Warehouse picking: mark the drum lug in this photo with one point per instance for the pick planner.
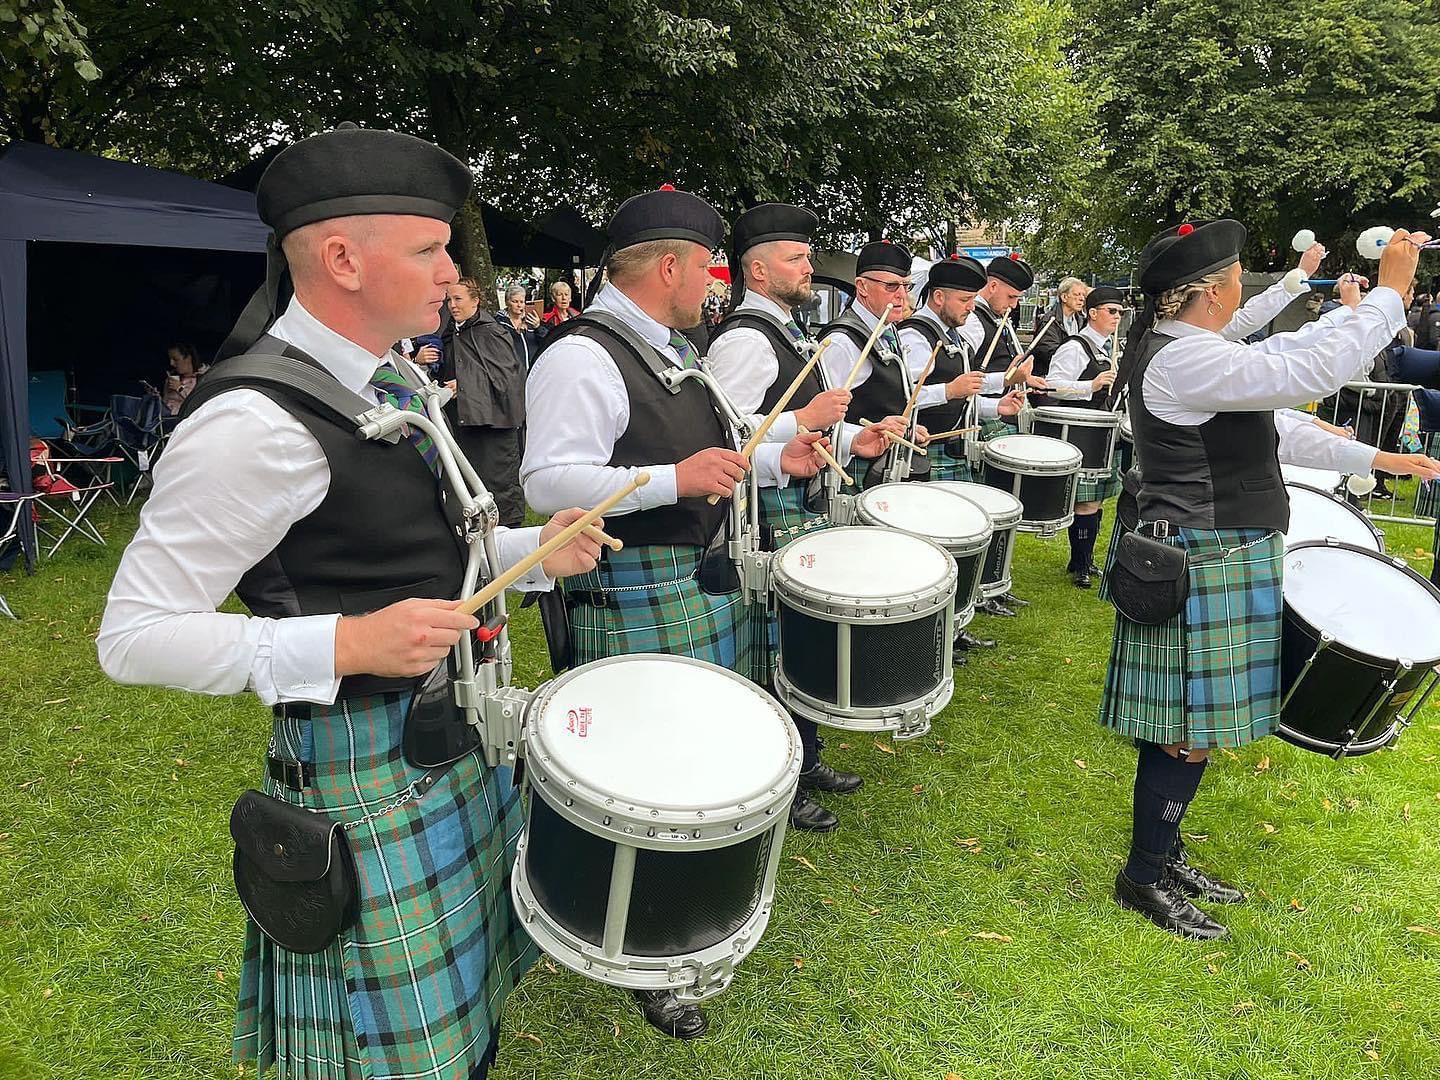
(499, 713)
(755, 577)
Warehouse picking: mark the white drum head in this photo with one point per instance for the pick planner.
(663, 731)
(1039, 450)
(1316, 516)
(996, 503)
(1070, 414)
(865, 563)
(1366, 602)
(1323, 479)
(1127, 430)
(926, 509)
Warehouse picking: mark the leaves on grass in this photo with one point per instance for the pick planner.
(1080, 763)
(953, 1076)
(917, 789)
(1352, 804)
(550, 967)
(1295, 905)
(804, 862)
(220, 976)
(1230, 754)
(1263, 765)
(1240, 1008)
(526, 1035)
(56, 701)
(990, 935)
(617, 1029)
(971, 844)
(1267, 826)
(1405, 812)
(48, 993)
(28, 784)
(882, 746)
(828, 901)
(798, 961)
(1426, 930)
(1300, 961)
(844, 746)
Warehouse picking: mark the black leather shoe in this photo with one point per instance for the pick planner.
(967, 640)
(1012, 600)
(959, 657)
(1195, 882)
(1095, 571)
(1081, 578)
(807, 815)
(994, 607)
(668, 1014)
(1168, 908)
(823, 778)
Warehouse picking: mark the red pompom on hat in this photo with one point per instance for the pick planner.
(667, 187)
(1185, 230)
(1015, 255)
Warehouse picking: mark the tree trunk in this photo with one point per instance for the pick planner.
(469, 246)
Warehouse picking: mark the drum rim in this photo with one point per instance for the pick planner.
(866, 717)
(836, 607)
(992, 454)
(999, 521)
(1072, 413)
(1340, 501)
(958, 545)
(1341, 646)
(649, 825)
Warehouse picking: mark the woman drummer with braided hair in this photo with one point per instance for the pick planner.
(1202, 408)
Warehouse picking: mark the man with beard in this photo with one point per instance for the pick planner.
(755, 354)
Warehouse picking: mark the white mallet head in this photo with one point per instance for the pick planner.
(1435, 213)
(1303, 241)
(1372, 241)
(1295, 281)
(1359, 484)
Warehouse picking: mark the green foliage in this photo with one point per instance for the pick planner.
(43, 56)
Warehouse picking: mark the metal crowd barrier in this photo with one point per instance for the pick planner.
(1375, 409)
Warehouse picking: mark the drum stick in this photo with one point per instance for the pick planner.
(1115, 348)
(474, 603)
(897, 438)
(774, 414)
(865, 352)
(935, 435)
(828, 457)
(999, 333)
(1030, 351)
(920, 383)
(600, 536)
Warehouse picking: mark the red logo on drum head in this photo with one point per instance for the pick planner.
(807, 561)
(577, 722)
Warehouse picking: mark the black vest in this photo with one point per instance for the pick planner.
(384, 532)
(1002, 357)
(949, 364)
(665, 427)
(1222, 474)
(885, 392)
(787, 356)
(1095, 364)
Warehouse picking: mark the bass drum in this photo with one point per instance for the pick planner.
(657, 794)
(1318, 515)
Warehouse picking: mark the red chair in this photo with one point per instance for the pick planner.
(64, 504)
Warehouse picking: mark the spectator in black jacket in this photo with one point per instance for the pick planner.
(1068, 311)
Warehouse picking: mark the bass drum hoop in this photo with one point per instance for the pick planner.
(1339, 501)
(658, 828)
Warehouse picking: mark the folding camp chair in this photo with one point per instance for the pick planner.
(12, 505)
(139, 435)
(62, 503)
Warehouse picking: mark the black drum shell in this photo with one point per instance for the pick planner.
(891, 662)
(1047, 498)
(1093, 441)
(998, 556)
(681, 901)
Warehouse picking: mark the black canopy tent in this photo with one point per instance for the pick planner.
(53, 302)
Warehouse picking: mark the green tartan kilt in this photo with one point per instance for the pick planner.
(1210, 676)
(654, 604)
(994, 427)
(415, 988)
(1427, 493)
(947, 466)
(782, 512)
(1098, 490)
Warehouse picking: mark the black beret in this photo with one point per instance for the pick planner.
(353, 170)
(1012, 270)
(666, 214)
(1102, 295)
(883, 255)
(956, 272)
(1188, 252)
(773, 221)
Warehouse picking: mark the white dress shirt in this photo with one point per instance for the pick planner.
(1304, 442)
(840, 357)
(234, 478)
(577, 409)
(1070, 359)
(1200, 373)
(743, 361)
(973, 331)
(917, 357)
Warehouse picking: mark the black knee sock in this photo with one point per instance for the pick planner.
(1075, 545)
(1082, 540)
(809, 742)
(1164, 787)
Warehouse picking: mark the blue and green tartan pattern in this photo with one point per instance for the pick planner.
(654, 604)
(947, 466)
(1210, 676)
(783, 510)
(406, 398)
(993, 427)
(415, 988)
(1099, 490)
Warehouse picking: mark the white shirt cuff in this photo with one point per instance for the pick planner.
(302, 661)
(931, 395)
(785, 428)
(512, 545)
(661, 490)
(766, 463)
(994, 383)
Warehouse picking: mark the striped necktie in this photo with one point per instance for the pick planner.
(891, 339)
(795, 332)
(689, 358)
(393, 389)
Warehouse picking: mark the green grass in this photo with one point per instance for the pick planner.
(120, 933)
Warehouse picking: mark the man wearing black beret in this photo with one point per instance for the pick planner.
(600, 413)
(882, 385)
(344, 552)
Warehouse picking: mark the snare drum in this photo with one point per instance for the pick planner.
(657, 796)
(1315, 515)
(955, 523)
(1360, 641)
(1005, 512)
(1319, 479)
(867, 622)
(1091, 431)
(1041, 472)
(1126, 449)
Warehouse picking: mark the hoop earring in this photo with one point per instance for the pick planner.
(1212, 308)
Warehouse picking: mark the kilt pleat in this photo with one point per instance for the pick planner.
(947, 466)
(783, 514)
(415, 988)
(654, 604)
(1098, 490)
(1210, 676)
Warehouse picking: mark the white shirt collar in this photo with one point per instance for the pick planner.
(1177, 329)
(925, 311)
(866, 317)
(753, 301)
(611, 299)
(352, 365)
(1094, 335)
